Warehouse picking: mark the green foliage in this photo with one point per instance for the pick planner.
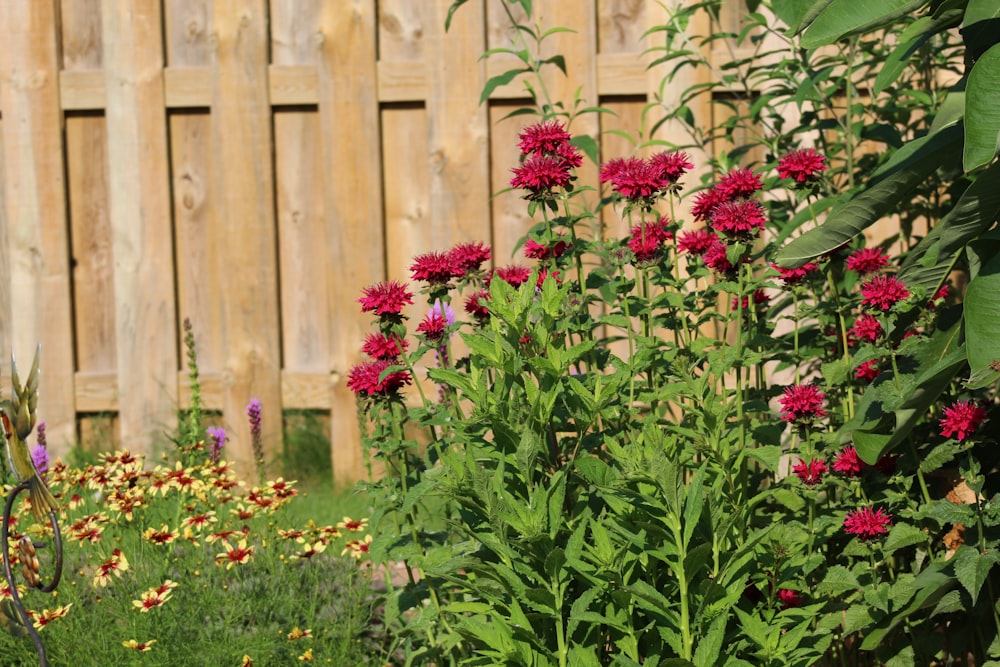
(624, 469)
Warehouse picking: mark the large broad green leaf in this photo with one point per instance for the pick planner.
(890, 184)
(798, 14)
(842, 18)
(980, 26)
(982, 111)
(982, 316)
(910, 40)
(935, 256)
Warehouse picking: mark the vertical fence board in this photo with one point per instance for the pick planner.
(509, 210)
(90, 233)
(243, 185)
(348, 111)
(146, 323)
(82, 38)
(458, 137)
(303, 246)
(294, 31)
(187, 25)
(199, 262)
(36, 206)
(6, 316)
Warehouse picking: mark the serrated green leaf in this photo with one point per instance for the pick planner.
(972, 568)
(838, 580)
(903, 535)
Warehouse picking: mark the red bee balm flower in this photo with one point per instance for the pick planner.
(646, 240)
(364, 380)
(866, 327)
(867, 260)
(671, 165)
(705, 202)
(961, 419)
(385, 298)
(697, 241)
(436, 268)
(542, 138)
(847, 462)
(739, 184)
(796, 275)
(789, 598)
(802, 403)
(635, 179)
(433, 326)
(380, 346)
(742, 219)
(541, 174)
(810, 473)
(883, 292)
(867, 523)
(867, 371)
(474, 305)
(469, 257)
(515, 276)
(803, 165)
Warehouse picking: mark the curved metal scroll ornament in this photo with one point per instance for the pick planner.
(18, 419)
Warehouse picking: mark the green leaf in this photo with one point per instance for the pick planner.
(903, 535)
(972, 568)
(933, 259)
(842, 18)
(451, 11)
(500, 80)
(693, 504)
(982, 111)
(798, 14)
(982, 316)
(586, 143)
(889, 185)
(838, 580)
(710, 645)
(894, 65)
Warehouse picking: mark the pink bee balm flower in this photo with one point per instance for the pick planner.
(535, 250)
(789, 598)
(883, 292)
(380, 346)
(469, 257)
(802, 403)
(697, 241)
(646, 240)
(541, 174)
(364, 380)
(436, 268)
(796, 275)
(385, 298)
(866, 327)
(433, 326)
(961, 419)
(867, 260)
(515, 276)
(474, 305)
(742, 219)
(867, 523)
(805, 166)
(705, 202)
(848, 463)
(739, 184)
(542, 138)
(637, 180)
(867, 371)
(671, 165)
(810, 473)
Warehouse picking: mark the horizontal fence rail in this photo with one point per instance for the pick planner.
(250, 166)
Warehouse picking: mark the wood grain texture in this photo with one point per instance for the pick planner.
(139, 187)
(348, 111)
(37, 244)
(294, 31)
(82, 38)
(243, 185)
(188, 30)
(90, 234)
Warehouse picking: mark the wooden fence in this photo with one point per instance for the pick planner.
(251, 165)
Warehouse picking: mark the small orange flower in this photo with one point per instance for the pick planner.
(358, 548)
(240, 553)
(46, 616)
(307, 656)
(114, 565)
(247, 661)
(162, 536)
(294, 534)
(142, 647)
(352, 525)
(309, 550)
(296, 633)
(154, 597)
